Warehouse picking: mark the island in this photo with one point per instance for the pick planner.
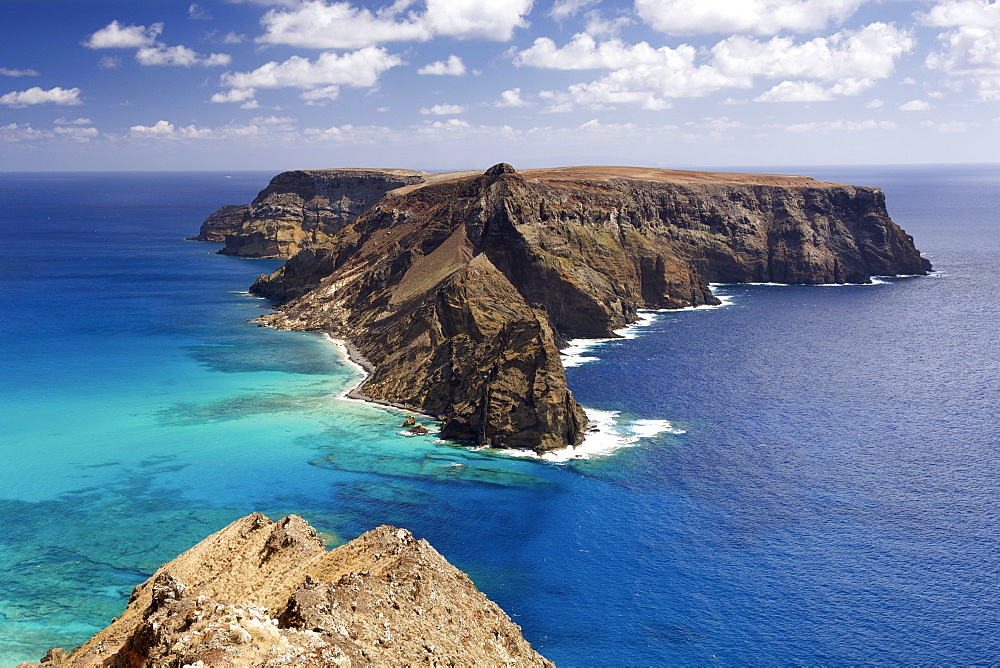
(456, 291)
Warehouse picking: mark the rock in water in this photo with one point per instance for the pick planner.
(459, 288)
(260, 593)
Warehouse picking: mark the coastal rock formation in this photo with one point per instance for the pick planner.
(456, 293)
(301, 209)
(260, 593)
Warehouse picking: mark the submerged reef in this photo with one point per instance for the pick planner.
(455, 291)
(263, 593)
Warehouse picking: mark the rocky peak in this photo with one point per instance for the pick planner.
(259, 593)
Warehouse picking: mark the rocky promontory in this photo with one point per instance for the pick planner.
(456, 290)
(260, 593)
(301, 209)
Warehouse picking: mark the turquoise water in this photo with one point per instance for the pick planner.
(833, 498)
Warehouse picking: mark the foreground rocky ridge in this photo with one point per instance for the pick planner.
(260, 593)
(457, 290)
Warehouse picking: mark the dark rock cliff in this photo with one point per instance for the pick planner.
(301, 209)
(458, 291)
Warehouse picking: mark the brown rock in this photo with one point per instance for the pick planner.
(268, 594)
(459, 289)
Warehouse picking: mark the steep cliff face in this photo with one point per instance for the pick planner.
(301, 209)
(458, 291)
(260, 593)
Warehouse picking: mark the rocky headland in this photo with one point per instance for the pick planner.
(263, 593)
(455, 291)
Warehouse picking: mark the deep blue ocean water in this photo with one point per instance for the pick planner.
(834, 498)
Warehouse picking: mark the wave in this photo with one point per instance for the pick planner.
(607, 433)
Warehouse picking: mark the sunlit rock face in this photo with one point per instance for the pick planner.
(456, 290)
(263, 593)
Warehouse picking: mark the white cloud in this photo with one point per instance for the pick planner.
(110, 62)
(165, 130)
(758, 17)
(75, 121)
(321, 95)
(868, 53)
(564, 9)
(233, 38)
(796, 91)
(443, 110)
(234, 95)
(453, 66)
(875, 104)
(963, 13)
(118, 36)
(18, 73)
(36, 95)
(160, 54)
(915, 105)
(360, 69)
(13, 132)
(848, 62)
(511, 98)
(340, 25)
(77, 134)
(196, 11)
(827, 127)
(598, 26)
(951, 127)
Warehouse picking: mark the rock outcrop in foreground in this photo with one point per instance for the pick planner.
(457, 290)
(260, 593)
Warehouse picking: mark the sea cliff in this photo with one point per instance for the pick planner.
(456, 290)
(263, 593)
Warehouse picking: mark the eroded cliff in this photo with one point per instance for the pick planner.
(301, 209)
(260, 593)
(457, 292)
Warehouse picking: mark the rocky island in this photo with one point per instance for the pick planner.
(455, 291)
(263, 593)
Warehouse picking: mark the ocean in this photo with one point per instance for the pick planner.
(810, 474)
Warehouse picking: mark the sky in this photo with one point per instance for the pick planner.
(464, 84)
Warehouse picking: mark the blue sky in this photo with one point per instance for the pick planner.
(450, 84)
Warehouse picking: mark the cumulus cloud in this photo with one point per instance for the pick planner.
(165, 130)
(118, 36)
(360, 69)
(796, 91)
(511, 98)
(238, 95)
(75, 121)
(14, 132)
(160, 54)
(844, 63)
(18, 73)
(915, 105)
(321, 95)
(36, 95)
(443, 110)
(453, 66)
(340, 25)
(966, 13)
(757, 17)
(196, 11)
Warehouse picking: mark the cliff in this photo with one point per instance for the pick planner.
(457, 291)
(300, 209)
(260, 593)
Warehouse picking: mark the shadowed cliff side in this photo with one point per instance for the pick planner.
(458, 291)
(260, 593)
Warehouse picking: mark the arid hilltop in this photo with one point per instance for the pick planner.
(456, 290)
(263, 593)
